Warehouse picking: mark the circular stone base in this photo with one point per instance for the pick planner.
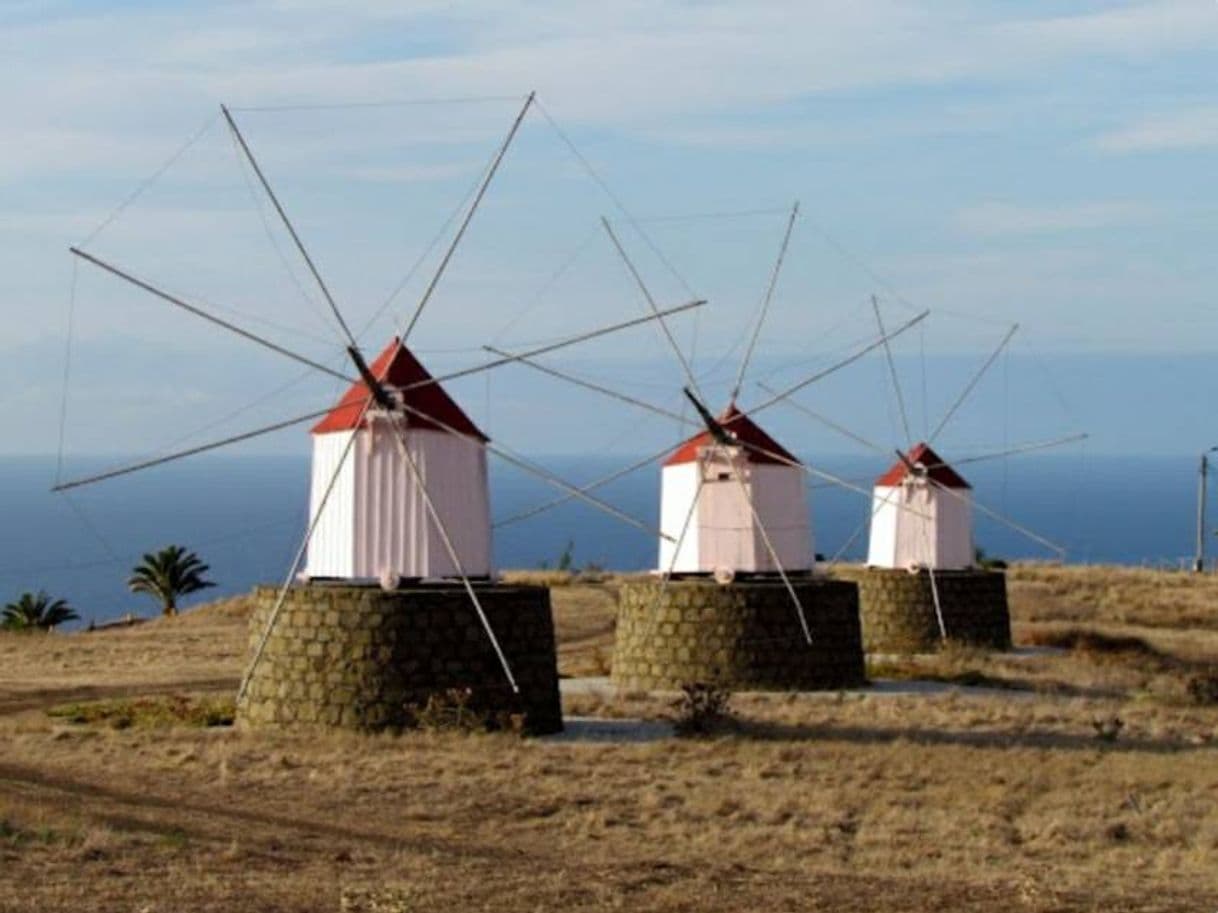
(357, 657)
(898, 608)
(744, 636)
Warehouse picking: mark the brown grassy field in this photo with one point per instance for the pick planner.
(1026, 795)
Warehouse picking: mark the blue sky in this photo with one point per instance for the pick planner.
(1045, 163)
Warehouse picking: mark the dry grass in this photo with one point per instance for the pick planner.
(1114, 595)
(963, 800)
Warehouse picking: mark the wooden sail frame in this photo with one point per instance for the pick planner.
(379, 397)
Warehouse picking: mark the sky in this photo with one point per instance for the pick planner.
(1041, 163)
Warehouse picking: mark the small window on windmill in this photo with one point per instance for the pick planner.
(725, 477)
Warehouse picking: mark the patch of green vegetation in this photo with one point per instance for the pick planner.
(150, 712)
(9, 832)
(16, 836)
(175, 839)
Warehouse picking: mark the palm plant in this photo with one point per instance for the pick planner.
(170, 573)
(36, 612)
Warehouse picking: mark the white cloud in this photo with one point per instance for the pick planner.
(1192, 129)
(1129, 31)
(1070, 298)
(96, 102)
(994, 218)
(631, 64)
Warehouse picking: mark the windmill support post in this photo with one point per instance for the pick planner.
(1202, 497)
(469, 215)
(651, 303)
(287, 223)
(211, 318)
(764, 309)
(972, 383)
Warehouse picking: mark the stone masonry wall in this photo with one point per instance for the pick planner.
(745, 635)
(898, 608)
(358, 657)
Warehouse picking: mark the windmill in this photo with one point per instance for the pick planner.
(921, 584)
(398, 496)
(733, 494)
(733, 508)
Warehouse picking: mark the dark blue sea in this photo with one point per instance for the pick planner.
(246, 515)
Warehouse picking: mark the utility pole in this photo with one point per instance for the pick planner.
(1199, 562)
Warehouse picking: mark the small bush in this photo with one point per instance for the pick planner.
(1202, 688)
(702, 709)
(1108, 729)
(453, 710)
(10, 832)
(988, 562)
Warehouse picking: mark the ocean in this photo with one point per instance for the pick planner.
(245, 516)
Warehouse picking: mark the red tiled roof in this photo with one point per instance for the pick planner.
(937, 470)
(398, 368)
(745, 430)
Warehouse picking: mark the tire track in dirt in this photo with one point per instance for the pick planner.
(188, 817)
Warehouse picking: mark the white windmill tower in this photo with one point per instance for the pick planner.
(732, 499)
(737, 494)
(922, 515)
(934, 531)
(375, 523)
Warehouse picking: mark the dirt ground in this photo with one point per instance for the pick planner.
(1078, 775)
